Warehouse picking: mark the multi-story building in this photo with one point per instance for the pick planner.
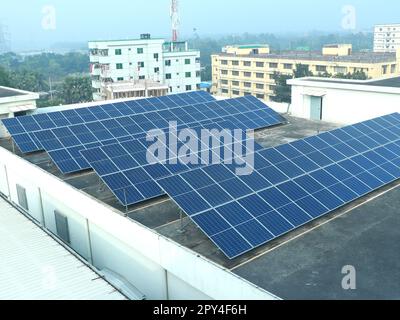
(387, 37)
(169, 63)
(243, 70)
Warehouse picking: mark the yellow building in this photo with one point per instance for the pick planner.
(243, 70)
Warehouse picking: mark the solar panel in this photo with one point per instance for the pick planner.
(22, 128)
(125, 169)
(281, 194)
(114, 131)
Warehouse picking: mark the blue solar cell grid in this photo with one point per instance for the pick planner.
(127, 162)
(21, 128)
(281, 194)
(82, 136)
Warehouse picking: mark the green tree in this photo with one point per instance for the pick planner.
(29, 81)
(76, 89)
(357, 75)
(282, 91)
(5, 78)
(302, 71)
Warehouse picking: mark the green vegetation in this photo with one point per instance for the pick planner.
(76, 89)
(282, 91)
(70, 82)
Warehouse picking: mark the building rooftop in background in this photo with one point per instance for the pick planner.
(8, 92)
(356, 57)
(15, 102)
(135, 89)
(238, 71)
(36, 267)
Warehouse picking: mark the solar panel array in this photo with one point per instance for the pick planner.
(64, 144)
(126, 170)
(22, 128)
(291, 185)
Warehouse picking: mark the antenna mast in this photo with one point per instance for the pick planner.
(175, 20)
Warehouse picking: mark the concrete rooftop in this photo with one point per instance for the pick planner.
(307, 262)
(6, 93)
(355, 57)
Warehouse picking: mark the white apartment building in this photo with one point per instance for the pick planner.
(387, 37)
(169, 63)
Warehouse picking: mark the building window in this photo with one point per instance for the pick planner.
(141, 64)
(224, 72)
(260, 86)
(188, 74)
(342, 70)
(156, 56)
(260, 64)
(247, 93)
(321, 68)
(168, 76)
(260, 96)
(235, 92)
(247, 74)
(288, 66)
(62, 227)
(247, 84)
(225, 91)
(156, 70)
(271, 87)
(198, 74)
(140, 50)
(119, 66)
(188, 88)
(118, 52)
(271, 76)
(384, 69)
(235, 63)
(235, 73)
(273, 65)
(260, 75)
(235, 83)
(247, 63)
(120, 79)
(168, 63)
(393, 68)
(187, 61)
(197, 60)
(22, 199)
(142, 77)
(224, 62)
(224, 82)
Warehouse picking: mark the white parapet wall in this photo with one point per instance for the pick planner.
(343, 102)
(158, 267)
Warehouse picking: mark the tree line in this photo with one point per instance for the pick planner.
(62, 79)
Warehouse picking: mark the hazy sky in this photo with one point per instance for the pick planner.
(31, 24)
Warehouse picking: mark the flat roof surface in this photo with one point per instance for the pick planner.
(5, 93)
(355, 57)
(34, 266)
(304, 264)
(390, 82)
